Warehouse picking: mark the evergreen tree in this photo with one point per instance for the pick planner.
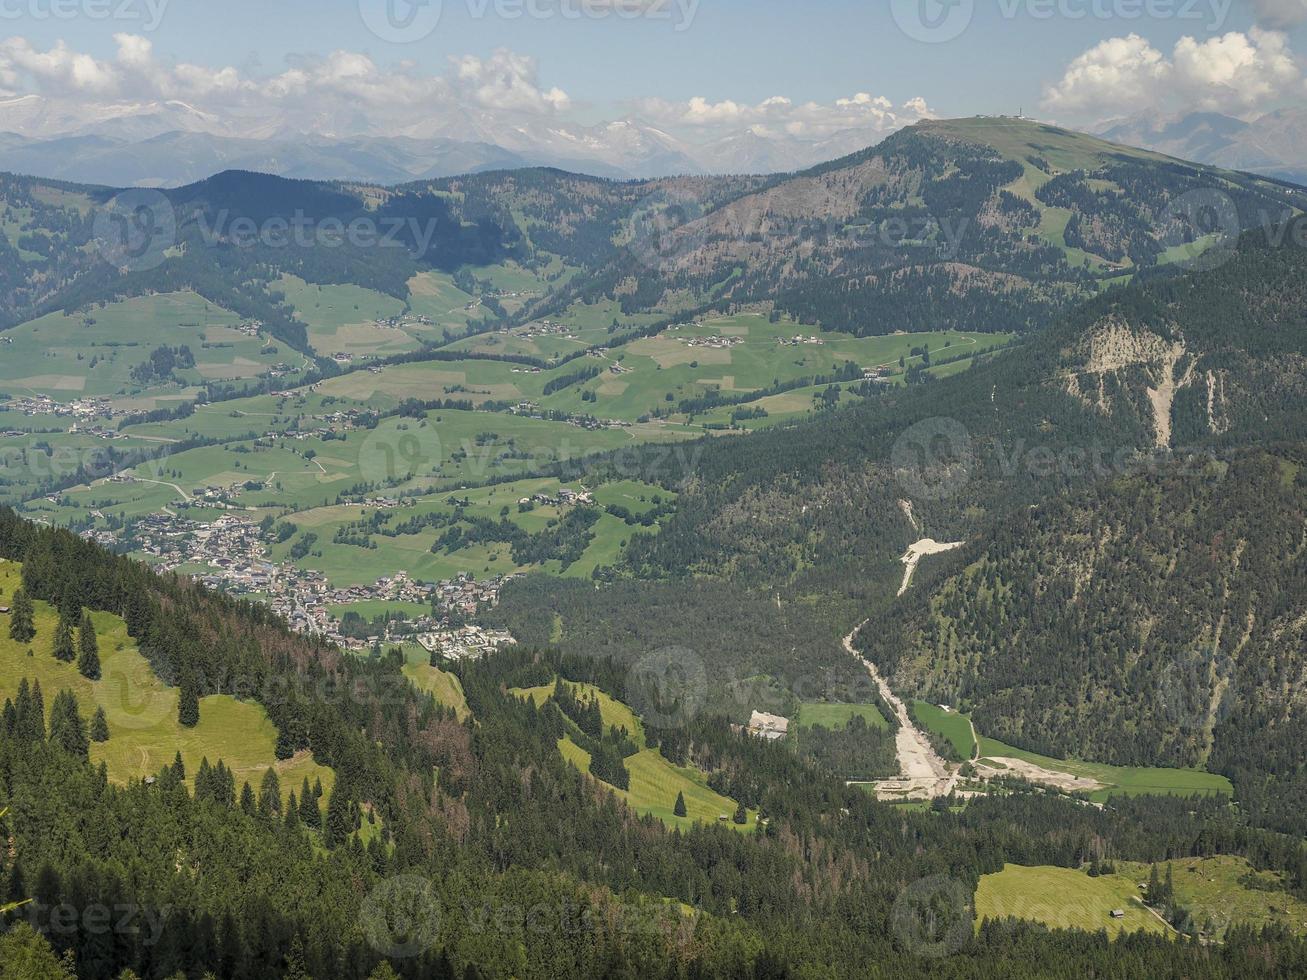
(310, 814)
(67, 729)
(29, 712)
(22, 626)
(99, 726)
(741, 815)
(248, 806)
(88, 655)
(179, 768)
(64, 649)
(188, 708)
(679, 808)
(285, 743)
(339, 824)
(292, 812)
(270, 795)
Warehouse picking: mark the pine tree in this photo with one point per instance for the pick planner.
(285, 743)
(292, 812)
(179, 768)
(270, 795)
(99, 726)
(188, 708)
(679, 808)
(741, 815)
(338, 825)
(29, 713)
(22, 627)
(67, 729)
(64, 648)
(88, 655)
(248, 806)
(310, 814)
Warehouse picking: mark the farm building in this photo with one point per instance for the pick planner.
(770, 727)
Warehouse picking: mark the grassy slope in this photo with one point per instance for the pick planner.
(1220, 891)
(1064, 898)
(654, 781)
(950, 724)
(144, 734)
(838, 715)
(1130, 780)
(443, 686)
(1217, 890)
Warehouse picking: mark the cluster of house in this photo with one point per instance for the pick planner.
(764, 725)
(86, 409)
(880, 374)
(544, 328)
(566, 497)
(465, 641)
(232, 550)
(715, 342)
(798, 339)
(405, 320)
(250, 328)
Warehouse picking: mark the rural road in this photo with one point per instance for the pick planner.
(918, 762)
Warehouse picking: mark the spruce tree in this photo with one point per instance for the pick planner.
(741, 815)
(310, 814)
(248, 806)
(88, 649)
(188, 708)
(679, 808)
(67, 730)
(270, 795)
(99, 726)
(64, 648)
(339, 825)
(22, 626)
(179, 768)
(292, 812)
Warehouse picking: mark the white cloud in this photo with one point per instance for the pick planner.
(341, 86)
(1280, 13)
(1235, 73)
(779, 114)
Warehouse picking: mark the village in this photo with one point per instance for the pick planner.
(230, 555)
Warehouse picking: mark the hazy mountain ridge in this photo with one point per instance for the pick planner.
(1274, 144)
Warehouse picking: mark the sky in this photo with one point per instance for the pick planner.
(801, 67)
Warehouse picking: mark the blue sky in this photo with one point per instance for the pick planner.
(745, 51)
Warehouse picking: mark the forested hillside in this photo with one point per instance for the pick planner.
(1144, 402)
(489, 832)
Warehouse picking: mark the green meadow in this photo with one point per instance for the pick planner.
(1127, 780)
(91, 352)
(834, 716)
(440, 684)
(1065, 898)
(144, 734)
(950, 724)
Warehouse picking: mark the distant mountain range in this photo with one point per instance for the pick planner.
(1274, 145)
(171, 143)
